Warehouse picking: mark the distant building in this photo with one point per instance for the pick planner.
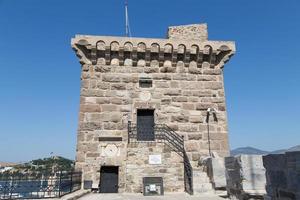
(5, 169)
(6, 166)
(144, 106)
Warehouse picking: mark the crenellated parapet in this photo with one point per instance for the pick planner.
(124, 51)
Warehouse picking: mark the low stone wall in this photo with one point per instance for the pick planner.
(283, 175)
(245, 176)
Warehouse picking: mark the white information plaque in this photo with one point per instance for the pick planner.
(154, 159)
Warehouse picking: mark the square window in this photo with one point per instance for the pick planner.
(145, 83)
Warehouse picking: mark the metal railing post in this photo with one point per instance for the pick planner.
(59, 183)
(71, 185)
(129, 131)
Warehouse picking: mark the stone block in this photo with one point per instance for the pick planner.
(118, 86)
(109, 107)
(111, 78)
(90, 108)
(212, 71)
(161, 84)
(196, 119)
(203, 106)
(179, 118)
(206, 78)
(99, 100)
(158, 76)
(191, 146)
(194, 136)
(186, 77)
(171, 109)
(212, 85)
(192, 32)
(193, 69)
(188, 128)
(116, 100)
(172, 92)
(216, 171)
(130, 78)
(115, 117)
(188, 106)
(179, 99)
(245, 174)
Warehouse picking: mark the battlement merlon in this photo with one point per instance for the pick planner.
(191, 51)
(188, 32)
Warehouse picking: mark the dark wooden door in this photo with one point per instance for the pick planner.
(145, 125)
(109, 179)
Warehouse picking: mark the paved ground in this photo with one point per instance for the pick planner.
(176, 196)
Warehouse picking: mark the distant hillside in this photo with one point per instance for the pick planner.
(247, 150)
(295, 148)
(45, 165)
(254, 151)
(7, 164)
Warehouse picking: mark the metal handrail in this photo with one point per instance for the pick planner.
(164, 133)
(40, 185)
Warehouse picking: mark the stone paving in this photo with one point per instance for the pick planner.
(173, 196)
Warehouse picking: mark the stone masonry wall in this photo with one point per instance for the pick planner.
(190, 32)
(185, 84)
(137, 167)
(180, 100)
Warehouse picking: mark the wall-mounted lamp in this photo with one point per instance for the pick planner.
(213, 112)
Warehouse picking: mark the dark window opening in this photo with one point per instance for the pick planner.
(145, 125)
(145, 83)
(168, 56)
(127, 55)
(140, 56)
(154, 56)
(193, 57)
(114, 54)
(180, 57)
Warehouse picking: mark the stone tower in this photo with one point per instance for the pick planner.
(144, 108)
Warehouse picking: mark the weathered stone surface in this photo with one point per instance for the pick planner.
(191, 146)
(246, 175)
(188, 106)
(216, 171)
(203, 106)
(90, 108)
(118, 86)
(192, 32)
(194, 136)
(109, 107)
(212, 85)
(180, 118)
(110, 78)
(282, 174)
(183, 86)
(172, 92)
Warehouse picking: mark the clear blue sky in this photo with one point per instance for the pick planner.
(40, 75)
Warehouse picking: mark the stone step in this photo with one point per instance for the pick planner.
(221, 193)
(203, 188)
(201, 182)
(202, 176)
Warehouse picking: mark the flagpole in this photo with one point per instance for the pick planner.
(126, 18)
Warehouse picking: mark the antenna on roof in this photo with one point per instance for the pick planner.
(127, 28)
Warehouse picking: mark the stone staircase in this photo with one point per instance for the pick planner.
(196, 180)
(201, 182)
